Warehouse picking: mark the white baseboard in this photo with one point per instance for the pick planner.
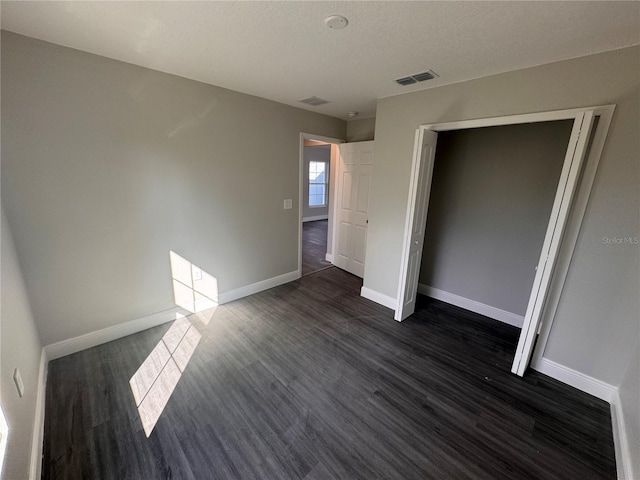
(329, 257)
(378, 298)
(73, 345)
(35, 462)
(472, 305)
(77, 344)
(576, 379)
(247, 290)
(314, 218)
(620, 440)
(605, 392)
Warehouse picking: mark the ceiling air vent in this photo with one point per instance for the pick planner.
(416, 77)
(314, 101)
(406, 81)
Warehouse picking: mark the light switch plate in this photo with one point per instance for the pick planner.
(18, 380)
(288, 204)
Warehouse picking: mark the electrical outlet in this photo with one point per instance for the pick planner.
(18, 380)
(288, 204)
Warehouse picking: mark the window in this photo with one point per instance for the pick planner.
(318, 184)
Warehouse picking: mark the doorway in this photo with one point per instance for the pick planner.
(576, 179)
(318, 159)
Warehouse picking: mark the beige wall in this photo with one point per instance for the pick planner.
(20, 348)
(361, 130)
(491, 198)
(108, 166)
(597, 319)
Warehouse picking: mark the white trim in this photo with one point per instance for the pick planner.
(605, 392)
(416, 165)
(332, 239)
(320, 138)
(377, 297)
(310, 136)
(576, 379)
(515, 119)
(73, 345)
(572, 231)
(35, 463)
(247, 290)
(472, 305)
(558, 276)
(316, 217)
(88, 340)
(77, 344)
(560, 212)
(329, 257)
(620, 439)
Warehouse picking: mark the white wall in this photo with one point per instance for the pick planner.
(315, 153)
(21, 348)
(595, 328)
(108, 166)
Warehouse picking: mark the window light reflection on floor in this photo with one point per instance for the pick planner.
(154, 382)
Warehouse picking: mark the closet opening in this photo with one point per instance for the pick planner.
(497, 216)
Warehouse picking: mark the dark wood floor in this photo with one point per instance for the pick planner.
(314, 246)
(311, 381)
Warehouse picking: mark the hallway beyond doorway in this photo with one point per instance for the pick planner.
(314, 246)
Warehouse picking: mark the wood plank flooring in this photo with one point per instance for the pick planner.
(311, 381)
(314, 246)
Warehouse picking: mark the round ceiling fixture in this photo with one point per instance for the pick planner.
(352, 114)
(336, 22)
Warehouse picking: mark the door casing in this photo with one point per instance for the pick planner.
(331, 238)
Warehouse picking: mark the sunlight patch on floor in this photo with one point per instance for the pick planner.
(157, 377)
(153, 384)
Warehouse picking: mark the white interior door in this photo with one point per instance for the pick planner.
(354, 184)
(419, 191)
(559, 215)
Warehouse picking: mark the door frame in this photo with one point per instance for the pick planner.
(330, 241)
(564, 249)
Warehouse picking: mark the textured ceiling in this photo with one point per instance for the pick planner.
(284, 52)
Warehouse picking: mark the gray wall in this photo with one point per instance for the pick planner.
(108, 166)
(361, 130)
(315, 153)
(491, 197)
(20, 348)
(596, 323)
